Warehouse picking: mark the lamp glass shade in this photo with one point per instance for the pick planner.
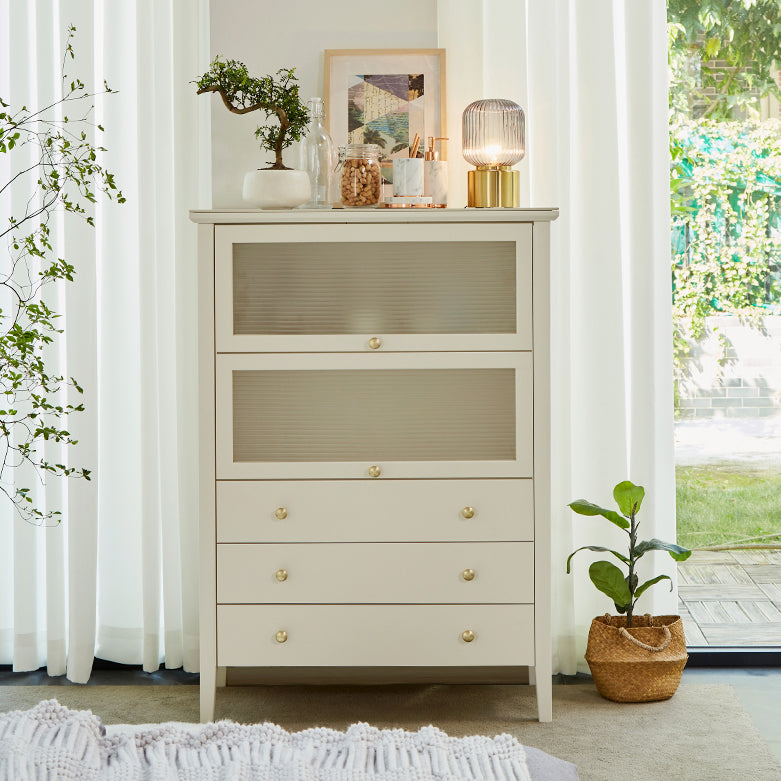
(493, 133)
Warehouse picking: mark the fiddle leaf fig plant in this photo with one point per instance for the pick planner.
(276, 96)
(623, 589)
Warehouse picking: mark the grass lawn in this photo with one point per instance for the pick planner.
(724, 503)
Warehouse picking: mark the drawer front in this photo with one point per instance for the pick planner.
(458, 572)
(374, 635)
(408, 416)
(375, 510)
(336, 287)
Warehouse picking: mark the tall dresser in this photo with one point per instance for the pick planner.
(374, 441)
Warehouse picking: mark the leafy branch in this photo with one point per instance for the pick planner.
(53, 167)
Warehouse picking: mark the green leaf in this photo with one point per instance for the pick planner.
(648, 583)
(676, 551)
(599, 549)
(610, 581)
(584, 507)
(628, 497)
(712, 48)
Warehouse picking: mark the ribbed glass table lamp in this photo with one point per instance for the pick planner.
(493, 139)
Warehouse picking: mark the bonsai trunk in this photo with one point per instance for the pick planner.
(278, 164)
(284, 124)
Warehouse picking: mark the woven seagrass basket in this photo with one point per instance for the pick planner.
(640, 664)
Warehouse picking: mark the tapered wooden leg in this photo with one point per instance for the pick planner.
(221, 676)
(208, 693)
(543, 677)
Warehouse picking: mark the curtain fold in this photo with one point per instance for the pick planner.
(592, 78)
(118, 578)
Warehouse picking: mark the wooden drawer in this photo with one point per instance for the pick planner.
(414, 415)
(333, 288)
(376, 573)
(374, 635)
(375, 510)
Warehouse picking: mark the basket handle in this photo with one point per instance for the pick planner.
(665, 642)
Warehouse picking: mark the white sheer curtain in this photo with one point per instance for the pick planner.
(593, 79)
(118, 578)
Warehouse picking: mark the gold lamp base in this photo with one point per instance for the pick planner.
(494, 187)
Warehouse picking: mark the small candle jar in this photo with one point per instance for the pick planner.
(361, 179)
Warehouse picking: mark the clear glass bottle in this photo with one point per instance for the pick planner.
(361, 176)
(318, 157)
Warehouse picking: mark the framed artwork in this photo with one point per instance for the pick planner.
(385, 97)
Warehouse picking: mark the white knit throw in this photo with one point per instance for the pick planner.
(52, 742)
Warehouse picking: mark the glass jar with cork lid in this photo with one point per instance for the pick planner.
(361, 176)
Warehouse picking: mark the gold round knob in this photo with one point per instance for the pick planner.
(281, 636)
(468, 512)
(281, 575)
(468, 574)
(467, 636)
(281, 513)
(375, 343)
(374, 471)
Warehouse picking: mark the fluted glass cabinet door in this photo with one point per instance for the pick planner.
(366, 288)
(374, 417)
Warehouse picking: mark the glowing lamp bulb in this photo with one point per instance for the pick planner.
(494, 141)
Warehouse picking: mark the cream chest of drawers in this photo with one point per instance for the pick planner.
(374, 441)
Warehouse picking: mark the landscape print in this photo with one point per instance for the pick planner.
(387, 110)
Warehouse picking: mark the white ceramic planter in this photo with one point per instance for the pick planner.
(276, 189)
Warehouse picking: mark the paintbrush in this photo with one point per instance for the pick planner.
(415, 144)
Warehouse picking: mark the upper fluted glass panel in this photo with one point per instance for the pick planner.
(493, 132)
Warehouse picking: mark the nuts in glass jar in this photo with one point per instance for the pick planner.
(361, 180)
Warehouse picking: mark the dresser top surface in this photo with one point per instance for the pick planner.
(381, 216)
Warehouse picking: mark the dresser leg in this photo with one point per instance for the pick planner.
(544, 684)
(208, 692)
(222, 674)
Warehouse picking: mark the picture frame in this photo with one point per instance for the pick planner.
(385, 96)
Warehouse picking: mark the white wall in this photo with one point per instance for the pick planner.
(267, 36)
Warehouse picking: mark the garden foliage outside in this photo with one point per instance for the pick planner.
(725, 181)
(726, 165)
(726, 231)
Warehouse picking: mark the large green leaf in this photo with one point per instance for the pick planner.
(628, 497)
(584, 507)
(649, 583)
(676, 551)
(599, 549)
(610, 581)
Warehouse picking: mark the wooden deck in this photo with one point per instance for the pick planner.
(731, 598)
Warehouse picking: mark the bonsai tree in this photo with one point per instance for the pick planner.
(52, 166)
(607, 577)
(276, 96)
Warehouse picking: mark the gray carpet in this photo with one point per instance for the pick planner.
(702, 733)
